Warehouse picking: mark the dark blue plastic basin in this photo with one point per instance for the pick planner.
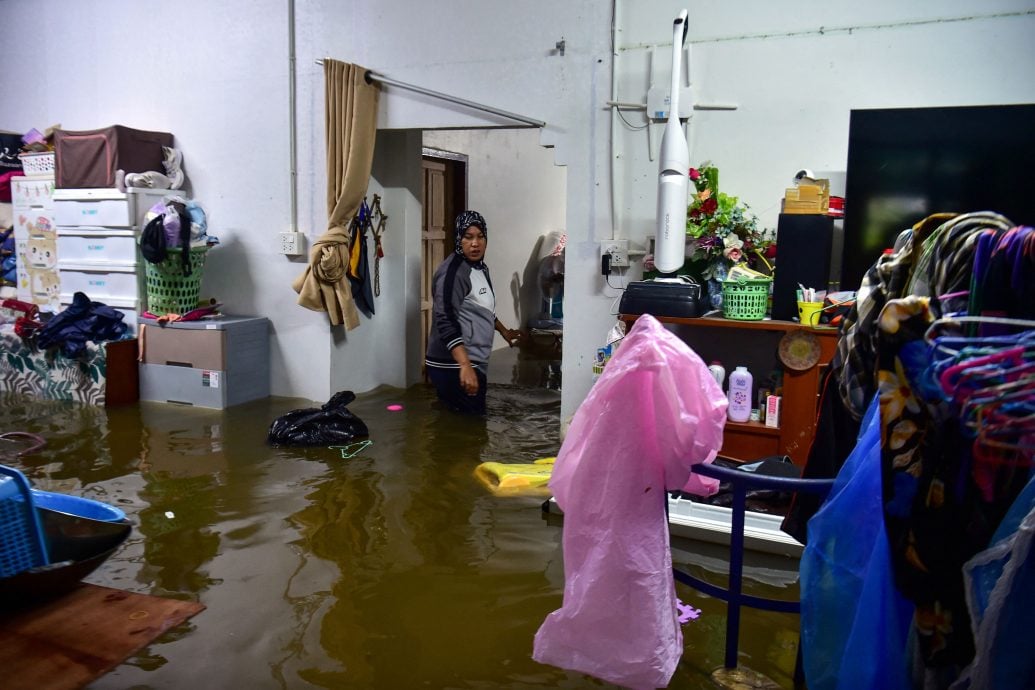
(76, 505)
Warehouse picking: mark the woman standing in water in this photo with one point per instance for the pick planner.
(463, 320)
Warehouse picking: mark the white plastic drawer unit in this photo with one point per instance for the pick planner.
(100, 283)
(97, 245)
(105, 207)
(109, 212)
(32, 192)
(33, 222)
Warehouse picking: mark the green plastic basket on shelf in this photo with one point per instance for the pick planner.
(745, 299)
(169, 289)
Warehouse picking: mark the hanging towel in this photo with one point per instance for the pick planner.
(655, 411)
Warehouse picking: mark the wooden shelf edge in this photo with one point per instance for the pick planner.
(752, 428)
(716, 322)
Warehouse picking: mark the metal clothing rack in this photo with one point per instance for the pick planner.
(372, 76)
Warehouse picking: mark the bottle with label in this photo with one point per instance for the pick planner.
(739, 395)
(718, 372)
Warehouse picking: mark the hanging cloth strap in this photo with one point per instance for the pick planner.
(379, 220)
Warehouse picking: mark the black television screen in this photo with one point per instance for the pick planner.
(907, 163)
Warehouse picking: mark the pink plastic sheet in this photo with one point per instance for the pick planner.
(655, 412)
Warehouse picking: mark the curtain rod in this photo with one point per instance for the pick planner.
(371, 76)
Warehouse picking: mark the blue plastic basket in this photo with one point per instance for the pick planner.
(22, 545)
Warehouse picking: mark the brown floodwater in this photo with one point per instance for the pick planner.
(392, 568)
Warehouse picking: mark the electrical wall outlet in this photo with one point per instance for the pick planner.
(619, 251)
(290, 243)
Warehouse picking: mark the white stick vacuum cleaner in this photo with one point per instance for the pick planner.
(673, 173)
(669, 295)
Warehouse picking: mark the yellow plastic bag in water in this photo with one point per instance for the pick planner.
(515, 479)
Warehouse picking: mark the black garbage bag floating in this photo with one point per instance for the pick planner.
(318, 426)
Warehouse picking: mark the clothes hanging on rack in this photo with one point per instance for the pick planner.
(932, 258)
(944, 267)
(1003, 279)
(957, 422)
(936, 514)
(911, 268)
(944, 494)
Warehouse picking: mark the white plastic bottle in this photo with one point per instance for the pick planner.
(739, 395)
(718, 372)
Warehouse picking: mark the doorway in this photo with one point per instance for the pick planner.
(444, 185)
(514, 181)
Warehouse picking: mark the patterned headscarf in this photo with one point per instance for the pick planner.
(466, 220)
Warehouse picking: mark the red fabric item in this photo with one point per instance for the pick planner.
(5, 185)
(26, 328)
(27, 308)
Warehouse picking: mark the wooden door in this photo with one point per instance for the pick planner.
(445, 196)
(433, 235)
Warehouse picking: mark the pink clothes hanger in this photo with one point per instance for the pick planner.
(950, 377)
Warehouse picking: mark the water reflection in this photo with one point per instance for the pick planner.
(393, 568)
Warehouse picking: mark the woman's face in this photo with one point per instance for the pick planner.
(472, 243)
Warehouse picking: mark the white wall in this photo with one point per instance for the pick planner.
(513, 182)
(795, 71)
(216, 75)
(501, 54)
(376, 352)
(795, 76)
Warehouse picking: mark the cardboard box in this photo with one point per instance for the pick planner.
(809, 196)
(772, 411)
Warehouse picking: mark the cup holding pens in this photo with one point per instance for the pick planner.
(809, 312)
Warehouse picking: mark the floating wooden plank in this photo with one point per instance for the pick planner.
(67, 642)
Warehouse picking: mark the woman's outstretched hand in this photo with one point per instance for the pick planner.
(512, 336)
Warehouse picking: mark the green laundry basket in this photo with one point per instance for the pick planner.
(169, 290)
(745, 300)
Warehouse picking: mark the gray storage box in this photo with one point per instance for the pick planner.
(214, 363)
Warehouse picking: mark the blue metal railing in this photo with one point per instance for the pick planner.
(733, 595)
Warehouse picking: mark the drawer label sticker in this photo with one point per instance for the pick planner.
(89, 212)
(210, 379)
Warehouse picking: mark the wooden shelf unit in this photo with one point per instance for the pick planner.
(753, 440)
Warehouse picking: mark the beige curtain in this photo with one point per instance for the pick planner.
(351, 123)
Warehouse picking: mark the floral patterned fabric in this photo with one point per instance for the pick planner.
(50, 375)
(936, 513)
